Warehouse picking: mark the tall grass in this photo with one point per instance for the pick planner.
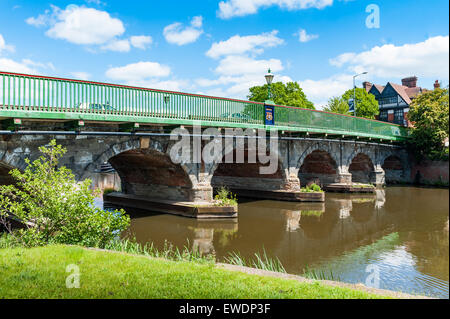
(259, 262)
(320, 274)
(168, 251)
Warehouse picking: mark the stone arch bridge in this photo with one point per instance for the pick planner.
(145, 168)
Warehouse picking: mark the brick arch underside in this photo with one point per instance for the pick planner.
(318, 167)
(152, 173)
(362, 169)
(394, 169)
(247, 176)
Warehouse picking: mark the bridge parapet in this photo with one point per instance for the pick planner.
(50, 98)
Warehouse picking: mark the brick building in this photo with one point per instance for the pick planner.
(394, 99)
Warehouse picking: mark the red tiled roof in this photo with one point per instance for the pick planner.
(401, 90)
(380, 88)
(413, 92)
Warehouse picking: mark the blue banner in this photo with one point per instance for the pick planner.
(270, 115)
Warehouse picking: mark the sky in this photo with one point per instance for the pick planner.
(222, 48)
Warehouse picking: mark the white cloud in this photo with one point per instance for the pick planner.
(148, 75)
(91, 27)
(5, 47)
(305, 37)
(140, 71)
(141, 41)
(176, 34)
(79, 25)
(26, 66)
(239, 45)
(233, 8)
(9, 65)
(236, 74)
(239, 65)
(320, 91)
(81, 75)
(117, 46)
(424, 59)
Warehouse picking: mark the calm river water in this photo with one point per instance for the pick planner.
(402, 231)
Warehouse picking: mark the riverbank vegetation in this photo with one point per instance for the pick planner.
(43, 272)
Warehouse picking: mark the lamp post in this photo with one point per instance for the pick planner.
(354, 91)
(269, 78)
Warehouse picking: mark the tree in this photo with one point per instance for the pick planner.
(290, 94)
(366, 104)
(337, 105)
(54, 208)
(429, 114)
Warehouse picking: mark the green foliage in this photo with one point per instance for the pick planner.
(429, 114)
(366, 104)
(290, 94)
(313, 188)
(54, 208)
(337, 105)
(225, 198)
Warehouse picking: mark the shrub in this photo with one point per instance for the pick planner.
(225, 198)
(313, 188)
(54, 208)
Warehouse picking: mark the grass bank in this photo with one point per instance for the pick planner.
(41, 273)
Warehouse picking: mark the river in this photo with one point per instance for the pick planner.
(397, 239)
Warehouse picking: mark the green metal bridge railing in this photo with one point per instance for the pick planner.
(39, 97)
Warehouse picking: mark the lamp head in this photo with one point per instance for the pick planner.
(269, 77)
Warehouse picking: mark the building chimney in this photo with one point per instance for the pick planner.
(437, 85)
(367, 86)
(410, 82)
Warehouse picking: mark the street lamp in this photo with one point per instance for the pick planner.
(269, 78)
(354, 91)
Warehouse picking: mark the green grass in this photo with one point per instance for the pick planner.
(41, 273)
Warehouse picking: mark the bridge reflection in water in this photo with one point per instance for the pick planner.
(402, 230)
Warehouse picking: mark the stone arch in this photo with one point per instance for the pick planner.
(318, 167)
(317, 146)
(362, 168)
(145, 169)
(247, 175)
(148, 172)
(361, 149)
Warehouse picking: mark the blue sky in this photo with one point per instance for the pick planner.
(224, 47)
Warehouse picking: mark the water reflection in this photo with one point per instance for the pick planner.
(403, 230)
